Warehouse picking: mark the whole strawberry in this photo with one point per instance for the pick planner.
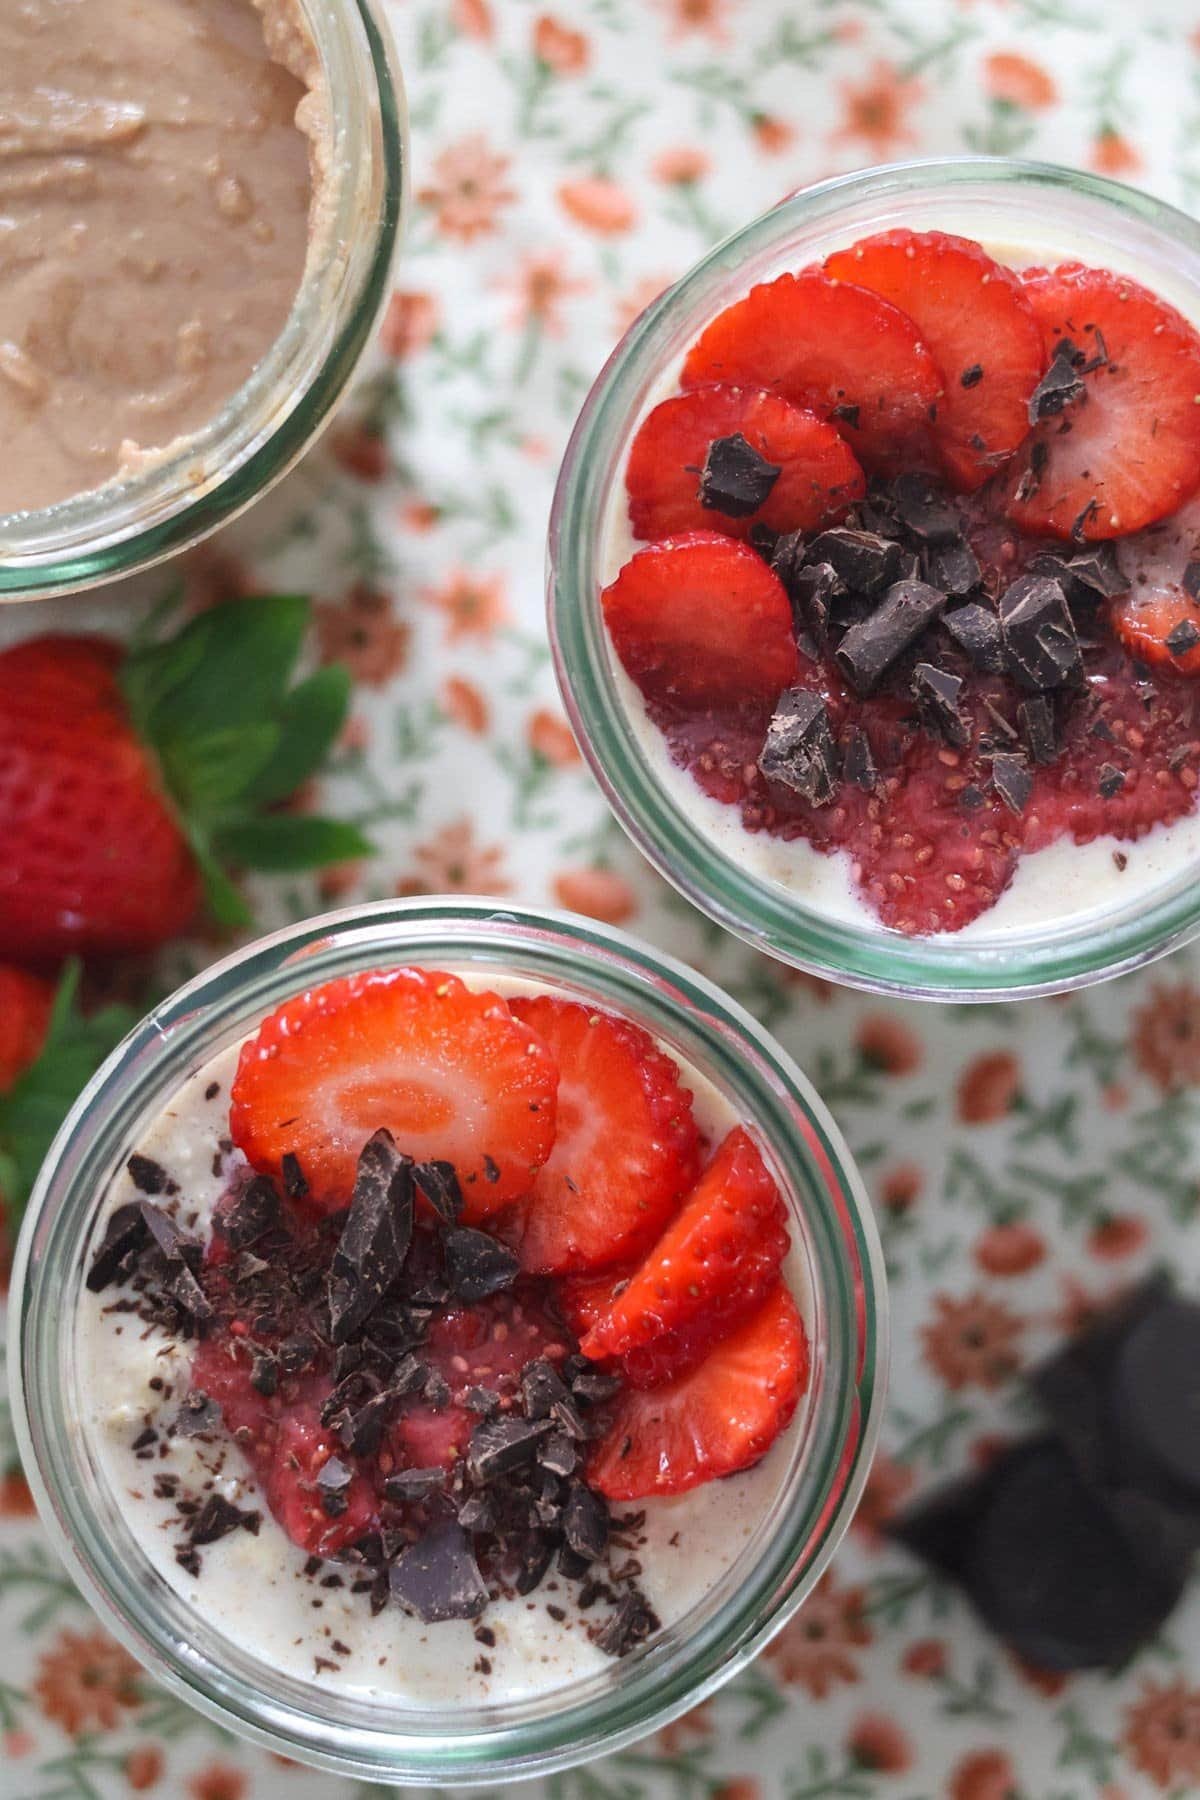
(129, 780)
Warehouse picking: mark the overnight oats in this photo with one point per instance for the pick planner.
(897, 581)
(200, 200)
(452, 1339)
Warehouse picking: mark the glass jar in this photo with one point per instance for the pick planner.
(832, 1439)
(1033, 212)
(135, 521)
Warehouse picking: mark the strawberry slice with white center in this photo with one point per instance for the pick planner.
(626, 1148)
(720, 1417)
(818, 474)
(451, 1073)
(700, 620)
(978, 325)
(1124, 451)
(835, 349)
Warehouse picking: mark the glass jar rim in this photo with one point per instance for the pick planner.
(761, 911)
(817, 1499)
(134, 522)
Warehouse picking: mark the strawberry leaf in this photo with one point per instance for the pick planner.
(38, 1101)
(309, 721)
(211, 772)
(283, 842)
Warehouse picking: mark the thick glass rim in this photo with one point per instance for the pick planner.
(764, 913)
(132, 523)
(788, 1552)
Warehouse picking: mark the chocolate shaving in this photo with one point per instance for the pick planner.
(1061, 385)
(217, 1517)
(125, 1234)
(862, 560)
(295, 1186)
(149, 1177)
(1036, 724)
(971, 377)
(799, 752)
(334, 1475)
(1039, 633)
(938, 695)
(415, 1484)
(1111, 780)
(438, 1578)
(585, 1522)
(1012, 780)
(439, 1183)
(925, 512)
(541, 1389)
(869, 648)
(976, 631)
(197, 1417)
(557, 1454)
(499, 1445)
(1182, 638)
(595, 1386)
(954, 568)
(858, 765)
(736, 480)
(476, 1264)
(179, 1253)
(375, 1238)
(633, 1621)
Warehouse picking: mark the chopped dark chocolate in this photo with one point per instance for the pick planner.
(264, 1373)
(954, 568)
(557, 1454)
(1038, 728)
(148, 1176)
(858, 765)
(439, 1183)
(124, 1235)
(799, 752)
(1110, 780)
(438, 1578)
(813, 591)
(375, 1238)
(938, 695)
(976, 631)
(1060, 385)
(736, 480)
(924, 510)
(297, 1353)
(541, 1388)
(252, 1214)
(1089, 576)
(484, 1401)
(180, 1253)
(295, 1186)
(1191, 580)
(863, 560)
(499, 1445)
(415, 1484)
(585, 1522)
(477, 1265)
(476, 1513)
(633, 1621)
(1182, 638)
(217, 1517)
(197, 1417)
(1039, 633)
(595, 1386)
(869, 648)
(537, 1553)
(334, 1475)
(1012, 779)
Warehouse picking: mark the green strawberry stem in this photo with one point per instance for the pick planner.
(235, 736)
(38, 1101)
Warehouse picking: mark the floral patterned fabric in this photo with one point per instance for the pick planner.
(569, 159)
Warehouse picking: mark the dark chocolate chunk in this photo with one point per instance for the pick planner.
(334, 1475)
(847, 412)
(924, 510)
(537, 1553)
(813, 590)
(264, 1374)
(438, 1578)
(148, 1176)
(197, 1417)
(179, 1253)
(499, 1445)
(633, 1621)
(568, 1418)
(217, 1517)
(594, 1386)
(440, 1186)
(1013, 780)
(763, 539)
(375, 1238)
(585, 1522)
(858, 765)
(1182, 638)
(1191, 580)
(735, 479)
(436, 1390)
(125, 1233)
(297, 1353)
(971, 377)
(476, 1264)
(1060, 385)
(295, 1186)
(799, 752)
(415, 1484)
(976, 631)
(476, 1514)
(1111, 780)
(862, 560)
(188, 1558)
(541, 1388)
(971, 798)
(869, 648)
(484, 1401)
(1090, 575)
(938, 696)
(1039, 732)
(1039, 633)
(954, 568)
(491, 1169)
(557, 1454)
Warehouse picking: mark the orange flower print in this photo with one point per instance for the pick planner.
(1162, 1734)
(983, 1775)
(888, 1486)
(359, 450)
(1018, 80)
(219, 1781)
(551, 738)
(144, 1767)
(972, 1342)
(1009, 1249)
(474, 605)
(1049, 1683)
(1166, 1036)
(362, 631)
(988, 1087)
(420, 515)
(85, 1680)
(468, 190)
(212, 575)
(926, 1659)
(901, 1188)
(1117, 1235)
(641, 295)
(453, 863)
(473, 19)
(1113, 154)
(816, 1651)
(409, 324)
(687, 1728)
(597, 894)
(599, 204)
(738, 1787)
(875, 111)
(561, 49)
(17, 1743)
(877, 1743)
(887, 1045)
(337, 881)
(706, 16)
(772, 135)
(463, 702)
(16, 1501)
(538, 287)
(681, 166)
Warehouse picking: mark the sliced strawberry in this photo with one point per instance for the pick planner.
(725, 1245)
(720, 1417)
(1128, 452)
(701, 620)
(836, 349)
(1163, 568)
(819, 477)
(585, 1299)
(626, 1147)
(450, 1073)
(980, 329)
